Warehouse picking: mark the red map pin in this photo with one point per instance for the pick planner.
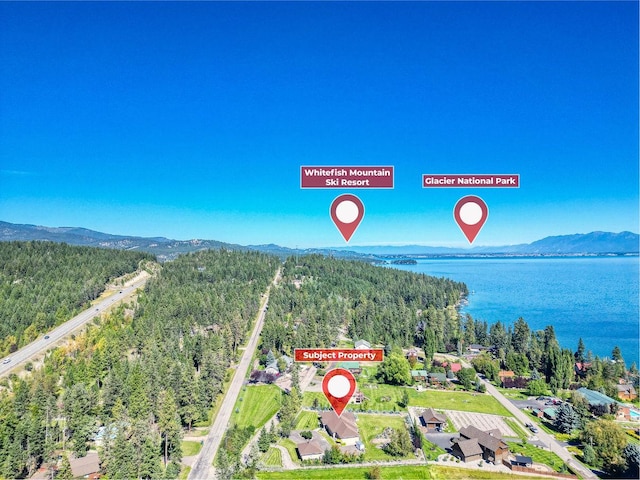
(470, 214)
(338, 386)
(347, 211)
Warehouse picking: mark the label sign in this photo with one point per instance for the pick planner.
(346, 177)
(462, 181)
(338, 355)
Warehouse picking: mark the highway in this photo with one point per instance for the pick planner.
(203, 467)
(41, 345)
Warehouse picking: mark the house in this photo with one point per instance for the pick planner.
(433, 420)
(467, 450)
(272, 368)
(549, 413)
(358, 398)
(343, 427)
(626, 392)
(437, 378)
(362, 345)
(522, 461)
(85, 466)
(288, 361)
(413, 355)
(581, 368)
(537, 412)
(494, 449)
(595, 398)
(353, 367)
(454, 367)
(310, 450)
(419, 375)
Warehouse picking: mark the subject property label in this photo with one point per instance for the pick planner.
(511, 180)
(346, 177)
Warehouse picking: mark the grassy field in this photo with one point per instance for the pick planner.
(517, 429)
(372, 425)
(190, 448)
(387, 398)
(272, 458)
(538, 455)
(259, 403)
(307, 420)
(184, 473)
(405, 472)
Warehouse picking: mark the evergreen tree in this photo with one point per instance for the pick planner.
(65, 473)
(567, 419)
(580, 351)
(169, 424)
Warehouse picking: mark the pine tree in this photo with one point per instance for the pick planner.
(65, 473)
(168, 422)
(567, 419)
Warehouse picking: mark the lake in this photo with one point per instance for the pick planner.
(595, 298)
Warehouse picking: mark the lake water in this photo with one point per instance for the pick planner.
(595, 298)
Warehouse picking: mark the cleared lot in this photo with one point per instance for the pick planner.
(483, 421)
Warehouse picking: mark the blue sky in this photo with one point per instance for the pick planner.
(191, 120)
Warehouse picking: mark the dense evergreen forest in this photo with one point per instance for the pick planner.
(143, 374)
(321, 297)
(43, 284)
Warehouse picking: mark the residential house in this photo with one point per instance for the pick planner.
(549, 413)
(581, 368)
(504, 374)
(353, 367)
(595, 398)
(467, 450)
(272, 368)
(362, 345)
(310, 450)
(626, 392)
(433, 420)
(437, 378)
(494, 449)
(288, 361)
(85, 466)
(419, 375)
(454, 367)
(341, 427)
(357, 398)
(522, 461)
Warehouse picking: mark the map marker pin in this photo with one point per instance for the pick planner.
(347, 211)
(338, 386)
(470, 214)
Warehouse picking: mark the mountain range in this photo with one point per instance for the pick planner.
(593, 243)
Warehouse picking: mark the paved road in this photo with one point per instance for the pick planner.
(203, 468)
(549, 440)
(30, 351)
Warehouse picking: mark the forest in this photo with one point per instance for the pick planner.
(43, 284)
(142, 375)
(321, 298)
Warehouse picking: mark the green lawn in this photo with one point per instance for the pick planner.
(405, 472)
(307, 420)
(190, 448)
(515, 426)
(184, 473)
(537, 454)
(291, 448)
(259, 403)
(272, 457)
(372, 425)
(386, 398)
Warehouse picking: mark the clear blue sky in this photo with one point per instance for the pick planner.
(191, 120)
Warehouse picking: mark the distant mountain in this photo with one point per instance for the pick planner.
(577, 244)
(163, 248)
(167, 249)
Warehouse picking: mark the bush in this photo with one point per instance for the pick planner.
(306, 434)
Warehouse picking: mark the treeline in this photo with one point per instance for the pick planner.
(321, 297)
(140, 378)
(43, 284)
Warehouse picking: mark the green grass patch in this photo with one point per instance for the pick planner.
(190, 448)
(513, 393)
(184, 473)
(291, 448)
(517, 429)
(272, 457)
(201, 432)
(537, 454)
(309, 397)
(307, 420)
(403, 472)
(431, 450)
(372, 425)
(259, 403)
